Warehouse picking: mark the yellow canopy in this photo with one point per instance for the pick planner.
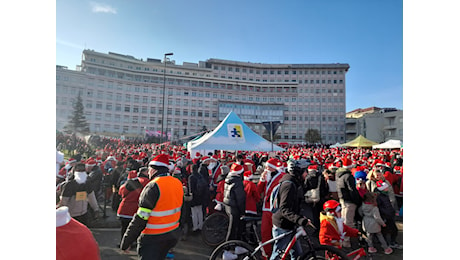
(359, 141)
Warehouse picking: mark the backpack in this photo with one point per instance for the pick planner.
(274, 198)
(312, 195)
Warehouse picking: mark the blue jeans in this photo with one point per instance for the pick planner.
(282, 243)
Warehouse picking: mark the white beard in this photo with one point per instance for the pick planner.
(80, 177)
(268, 177)
(339, 222)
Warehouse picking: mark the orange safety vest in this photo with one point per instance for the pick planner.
(165, 216)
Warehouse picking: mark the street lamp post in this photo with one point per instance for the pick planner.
(164, 90)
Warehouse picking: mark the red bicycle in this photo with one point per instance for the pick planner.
(355, 254)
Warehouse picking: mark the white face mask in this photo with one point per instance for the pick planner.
(80, 177)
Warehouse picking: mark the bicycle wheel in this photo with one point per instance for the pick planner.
(229, 247)
(324, 252)
(214, 229)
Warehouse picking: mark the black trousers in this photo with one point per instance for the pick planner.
(235, 225)
(124, 225)
(82, 219)
(156, 247)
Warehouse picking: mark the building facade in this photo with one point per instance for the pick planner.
(376, 124)
(123, 95)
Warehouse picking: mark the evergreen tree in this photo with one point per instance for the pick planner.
(312, 136)
(77, 121)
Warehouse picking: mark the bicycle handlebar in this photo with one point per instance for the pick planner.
(309, 223)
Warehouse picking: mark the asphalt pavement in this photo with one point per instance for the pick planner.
(106, 231)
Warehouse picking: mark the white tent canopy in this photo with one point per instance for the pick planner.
(390, 144)
(335, 145)
(232, 134)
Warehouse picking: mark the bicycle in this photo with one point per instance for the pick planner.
(356, 254)
(361, 251)
(249, 252)
(214, 229)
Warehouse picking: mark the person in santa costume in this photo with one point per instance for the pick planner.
(73, 239)
(215, 170)
(268, 180)
(333, 230)
(252, 195)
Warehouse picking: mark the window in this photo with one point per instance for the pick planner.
(127, 108)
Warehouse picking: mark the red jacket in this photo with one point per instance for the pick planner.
(252, 196)
(220, 191)
(330, 232)
(129, 192)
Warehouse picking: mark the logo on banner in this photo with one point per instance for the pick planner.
(235, 131)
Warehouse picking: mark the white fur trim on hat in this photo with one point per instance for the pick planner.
(62, 216)
(236, 169)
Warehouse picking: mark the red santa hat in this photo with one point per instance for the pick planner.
(205, 159)
(381, 185)
(312, 168)
(247, 175)
(272, 163)
(71, 160)
(132, 174)
(346, 163)
(90, 162)
(236, 169)
(160, 160)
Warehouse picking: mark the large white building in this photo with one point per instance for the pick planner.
(123, 95)
(376, 124)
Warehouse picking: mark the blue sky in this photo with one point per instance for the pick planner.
(366, 34)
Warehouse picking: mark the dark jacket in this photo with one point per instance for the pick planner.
(290, 196)
(234, 195)
(95, 178)
(346, 187)
(387, 212)
(197, 193)
(311, 182)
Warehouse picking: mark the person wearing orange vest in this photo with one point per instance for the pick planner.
(156, 222)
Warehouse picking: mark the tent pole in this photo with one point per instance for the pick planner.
(271, 133)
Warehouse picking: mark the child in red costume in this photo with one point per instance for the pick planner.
(332, 229)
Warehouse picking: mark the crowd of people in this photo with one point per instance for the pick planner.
(329, 186)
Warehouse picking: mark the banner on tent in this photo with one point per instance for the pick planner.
(235, 131)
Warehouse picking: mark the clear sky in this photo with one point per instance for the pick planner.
(366, 34)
